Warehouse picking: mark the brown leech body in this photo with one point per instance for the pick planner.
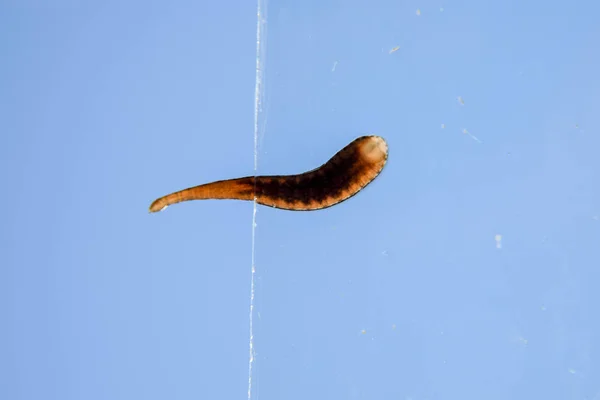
(340, 178)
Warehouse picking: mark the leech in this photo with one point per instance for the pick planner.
(343, 176)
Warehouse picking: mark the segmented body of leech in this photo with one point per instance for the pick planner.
(343, 176)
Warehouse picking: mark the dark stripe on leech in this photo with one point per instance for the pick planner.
(328, 181)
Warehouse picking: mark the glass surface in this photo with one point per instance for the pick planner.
(467, 270)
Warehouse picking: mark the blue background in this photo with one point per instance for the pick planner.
(399, 293)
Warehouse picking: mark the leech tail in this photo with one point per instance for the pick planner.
(233, 189)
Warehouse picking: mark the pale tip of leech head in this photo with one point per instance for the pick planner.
(154, 210)
(375, 149)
